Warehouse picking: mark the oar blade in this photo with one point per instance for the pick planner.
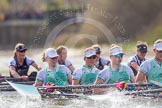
(26, 90)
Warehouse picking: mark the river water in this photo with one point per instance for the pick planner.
(113, 99)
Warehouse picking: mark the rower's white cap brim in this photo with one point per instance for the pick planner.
(116, 51)
(158, 46)
(51, 53)
(89, 53)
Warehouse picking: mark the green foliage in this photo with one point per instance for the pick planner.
(152, 35)
(4, 4)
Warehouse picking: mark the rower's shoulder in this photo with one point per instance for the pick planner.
(132, 58)
(42, 72)
(63, 67)
(104, 60)
(12, 62)
(105, 70)
(147, 62)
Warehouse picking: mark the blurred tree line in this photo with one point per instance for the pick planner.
(125, 18)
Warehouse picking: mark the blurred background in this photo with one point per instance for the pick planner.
(31, 21)
(76, 24)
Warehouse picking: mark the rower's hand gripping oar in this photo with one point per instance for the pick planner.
(124, 86)
(130, 87)
(152, 84)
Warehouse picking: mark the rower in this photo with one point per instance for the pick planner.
(54, 74)
(88, 72)
(135, 61)
(115, 72)
(20, 64)
(152, 69)
(62, 58)
(100, 61)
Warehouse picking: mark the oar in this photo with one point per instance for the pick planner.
(3, 79)
(3, 87)
(144, 91)
(152, 95)
(25, 90)
(90, 86)
(24, 82)
(64, 95)
(29, 90)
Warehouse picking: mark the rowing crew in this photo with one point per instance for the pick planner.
(56, 74)
(20, 63)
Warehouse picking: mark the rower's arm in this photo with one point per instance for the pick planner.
(36, 66)
(75, 82)
(70, 79)
(141, 77)
(99, 90)
(15, 74)
(132, 80)
(135, 66)
(71, 67)
(37, 83)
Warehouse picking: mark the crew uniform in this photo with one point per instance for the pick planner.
(101, 63)
(152, 68)
(136, 58)
(67, 62)
(58, 76)
(86, 75)
(22, 70)
(101, 60)
(122, 73)
(109, 75)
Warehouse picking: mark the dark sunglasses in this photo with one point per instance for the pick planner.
(119, 55)
(143, 51)
(54, 58)
(22, 51)
(159, 51)
(98, 52)
(92, 57)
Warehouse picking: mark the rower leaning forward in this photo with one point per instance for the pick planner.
(115, 72)
(54, 74)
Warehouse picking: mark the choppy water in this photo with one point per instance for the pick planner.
(114, 99)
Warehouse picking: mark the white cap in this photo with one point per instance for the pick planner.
(115, 51)
(158, 46)
(50, 52)
(89, 53)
